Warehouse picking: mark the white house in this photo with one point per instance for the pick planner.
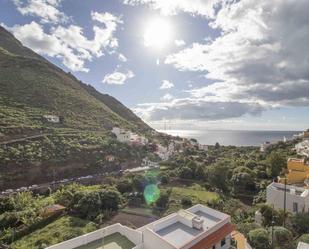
(265, 146)
(302, 148)
(203, 147)
(121, 134)
(125, 136)
(198, 227)
(297, 198)
(52, 118)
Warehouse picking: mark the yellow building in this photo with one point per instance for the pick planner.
(306, 134)
(297, 172)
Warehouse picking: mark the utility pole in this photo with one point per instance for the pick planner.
(284, 202)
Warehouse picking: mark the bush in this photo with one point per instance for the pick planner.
(276, 164)
(259, 238)
(162, 202)
(165, 179)
(186, 201)
(300, 223)
(186, 173)
(124, 186)
(282, 237)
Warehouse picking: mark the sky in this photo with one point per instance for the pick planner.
(190, 64)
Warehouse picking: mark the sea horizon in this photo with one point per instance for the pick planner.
(233, 137)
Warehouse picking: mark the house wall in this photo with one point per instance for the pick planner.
(154, 241)
(135, 236)
(276, 198)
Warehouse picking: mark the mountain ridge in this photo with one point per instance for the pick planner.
(30, 80)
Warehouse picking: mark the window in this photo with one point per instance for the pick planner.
(223, 242)
(214, 247)
(295, 207)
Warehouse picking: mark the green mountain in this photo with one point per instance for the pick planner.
(31, 87)
(34, 150)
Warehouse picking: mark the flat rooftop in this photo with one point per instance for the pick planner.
(290, 189)
(113, 241)
(178, 234)
(178, 229)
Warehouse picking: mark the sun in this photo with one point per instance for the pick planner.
(158, 33)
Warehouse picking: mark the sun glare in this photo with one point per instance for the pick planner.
(158, 33)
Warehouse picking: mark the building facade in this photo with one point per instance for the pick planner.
(297, 171)
(297, 199)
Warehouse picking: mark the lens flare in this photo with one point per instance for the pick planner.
(151, 193)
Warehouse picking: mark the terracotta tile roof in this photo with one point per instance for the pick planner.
(215, 237)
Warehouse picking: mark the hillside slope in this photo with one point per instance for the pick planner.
(34, 150)
(31, 87)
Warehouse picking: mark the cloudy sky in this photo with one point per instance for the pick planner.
(193, 64)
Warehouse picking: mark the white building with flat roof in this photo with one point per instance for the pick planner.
(302, 148)
(297, 198)
(52, 118)
(198, 227)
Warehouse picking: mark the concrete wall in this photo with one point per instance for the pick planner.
(154, 241)
(164, 222)
(135, 236)
(276, 198)
(207, 210)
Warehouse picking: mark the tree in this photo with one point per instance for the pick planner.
(186, 201)
(186, 173)
(243, 181)
(300, 223)
(283, 237)
(277, 163)
(199, 172)
(139, 182)
(259, 238)
(269, 214)
(124, 186)
(217, 175)
(165, 179)
(89, 204)
(162, 201)
(217, 146)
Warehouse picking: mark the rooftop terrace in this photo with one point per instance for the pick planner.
(181, 228)
(290, 189)
(113, 241)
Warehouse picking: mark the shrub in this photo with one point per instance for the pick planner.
(186, 201)
(259, 238)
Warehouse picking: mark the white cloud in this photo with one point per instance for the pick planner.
(180, 43)
(195, 109)
(204, 8)
(260, 58)
(69, 43)
(122, 58)
(167, 97)
(46, 10)
(166, 84)
(118, 78)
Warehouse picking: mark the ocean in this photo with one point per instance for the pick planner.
(233, 137)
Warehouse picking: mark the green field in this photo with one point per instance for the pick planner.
(60, 230)
(195, 193)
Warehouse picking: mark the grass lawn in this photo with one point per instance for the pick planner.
(195, 193)
(113, 241)
(64, 228)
